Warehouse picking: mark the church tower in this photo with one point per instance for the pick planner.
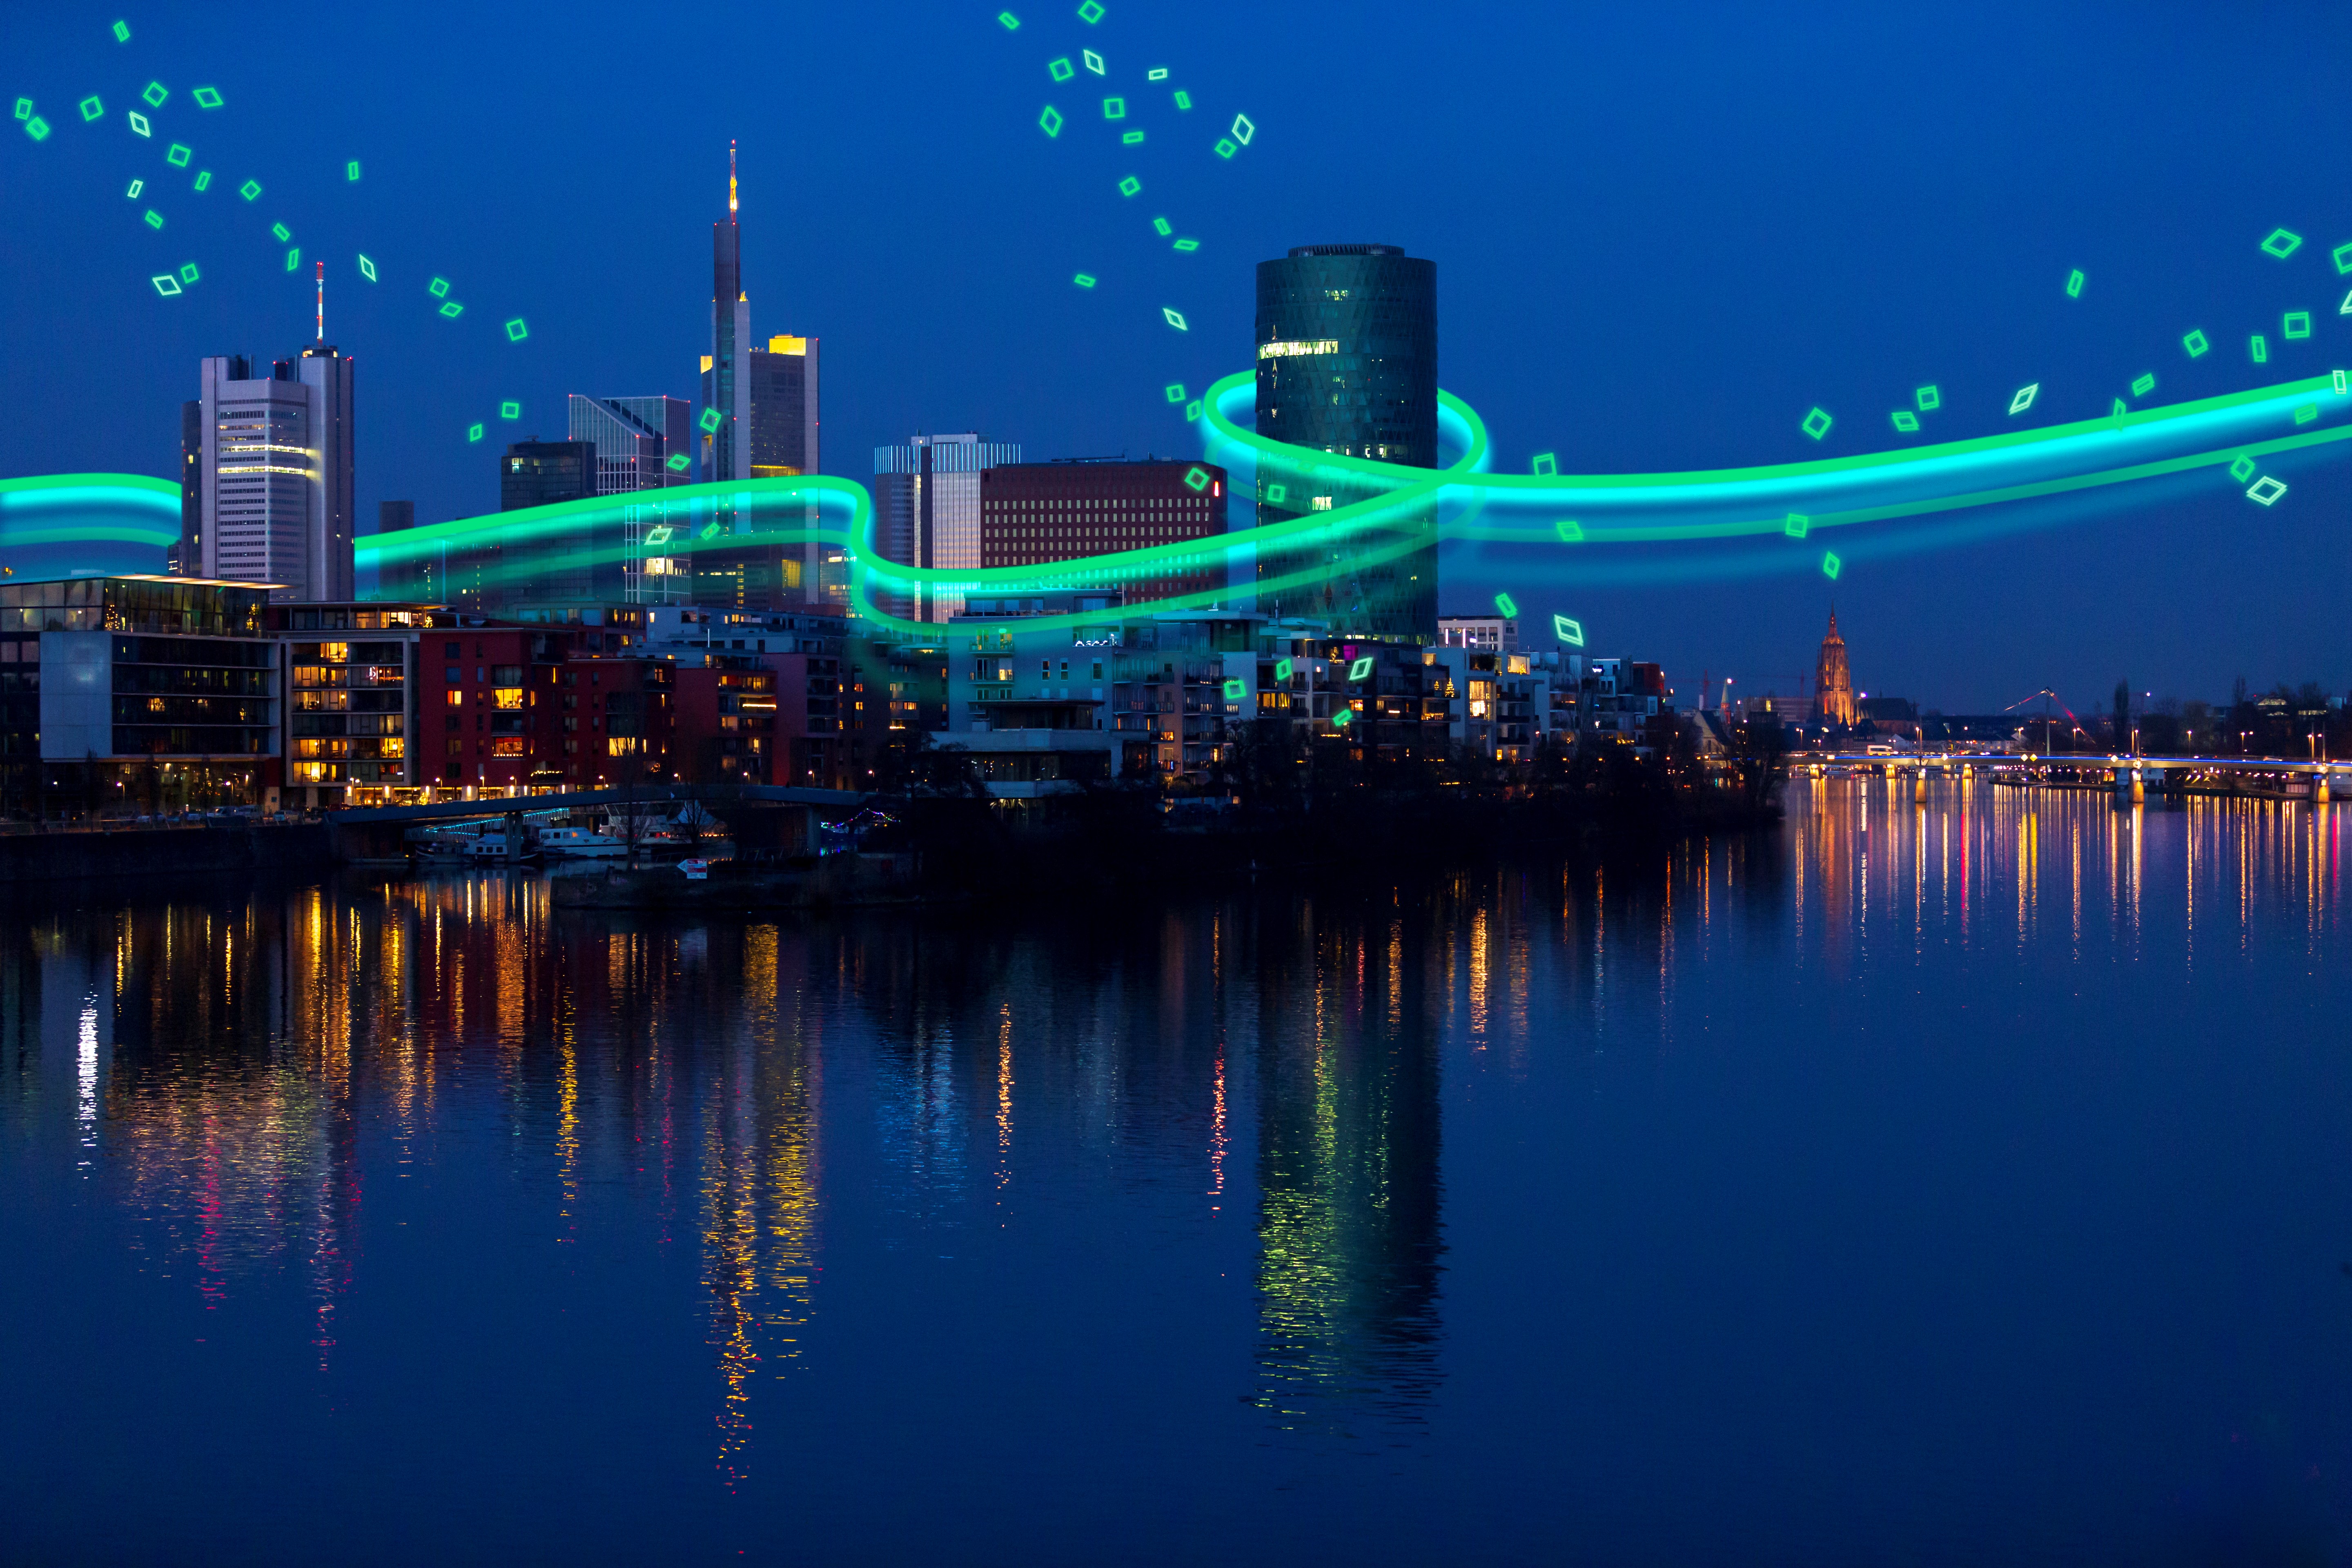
(1832, 681)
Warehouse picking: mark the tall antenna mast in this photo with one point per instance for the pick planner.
(730, 178)
(322, 301)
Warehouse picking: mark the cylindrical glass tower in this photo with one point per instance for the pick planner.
(1347, 363)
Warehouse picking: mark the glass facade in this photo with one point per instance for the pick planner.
(131, 605)
(192, 697)
(1347, 363)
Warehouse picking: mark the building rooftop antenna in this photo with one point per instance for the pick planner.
(731, 177)
(322, 301)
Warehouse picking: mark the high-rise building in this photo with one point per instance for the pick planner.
(784, 408)
(554, 566)
(1347, 363)
(544, 473)
(760, 420)
(1833, 681)
(186, 558)
(642, 443)
(1032, 513)
(927, 510)
(726, 373)
(419, 580)
(276, 476)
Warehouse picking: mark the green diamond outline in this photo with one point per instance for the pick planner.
(1905, 421)
(2276, 486)
(1050, 122)
(1196, 478)
(517, 330)
(207, 97)
(2296, 324)
(1831, 565)
(2243, 469)
(1929, 397)
(1091, 11)
(2272, 246)
(2194, 340)
(154, 95)
(1823, 416)
(2144, 384)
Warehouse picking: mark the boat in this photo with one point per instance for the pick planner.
(446, 844)
(495, 849)
(580, 843)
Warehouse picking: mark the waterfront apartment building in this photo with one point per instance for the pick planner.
(1347, 364)
(134, 693)
(1074, 507)
(275, 481)
(1488, 634)
(1155, 698)
(926, 512)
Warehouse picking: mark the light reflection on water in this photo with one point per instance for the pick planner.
(1252, 1152)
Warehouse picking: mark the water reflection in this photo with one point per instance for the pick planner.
(1347, 1075)
(240, 1075)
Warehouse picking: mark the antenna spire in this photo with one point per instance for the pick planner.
(730, 178)
(322, 301)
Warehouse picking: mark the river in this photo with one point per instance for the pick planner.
(1942, 1184)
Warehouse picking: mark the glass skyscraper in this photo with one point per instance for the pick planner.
(1347, 363)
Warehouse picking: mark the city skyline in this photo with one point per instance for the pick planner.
(1628, 402)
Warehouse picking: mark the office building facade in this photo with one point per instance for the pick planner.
(134, 693)
(1033, 513)
(276, 480)
(1347, 364)
(634, 438)
(926, 507)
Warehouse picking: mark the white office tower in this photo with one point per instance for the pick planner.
(927, 510)
(278, 493)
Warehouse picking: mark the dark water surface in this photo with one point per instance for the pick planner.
(1963, 1184)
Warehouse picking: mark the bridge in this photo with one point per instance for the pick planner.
(379, 832)
(2130, 778)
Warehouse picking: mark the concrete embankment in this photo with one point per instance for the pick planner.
(161, 852)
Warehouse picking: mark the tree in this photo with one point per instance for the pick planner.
(1758, 751)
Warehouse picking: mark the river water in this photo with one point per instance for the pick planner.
(1928, 1184)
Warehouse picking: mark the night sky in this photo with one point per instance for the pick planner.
(1663, 233)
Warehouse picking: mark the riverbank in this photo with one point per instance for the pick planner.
(163, 851)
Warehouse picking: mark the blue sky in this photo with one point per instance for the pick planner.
(1663, 233)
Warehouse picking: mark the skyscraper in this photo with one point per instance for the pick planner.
(927, 510)
(1347, 363)
(760, 420)
(276, 475)
(186, 558)
(635, 439)
(725, 377)
(419, 580)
